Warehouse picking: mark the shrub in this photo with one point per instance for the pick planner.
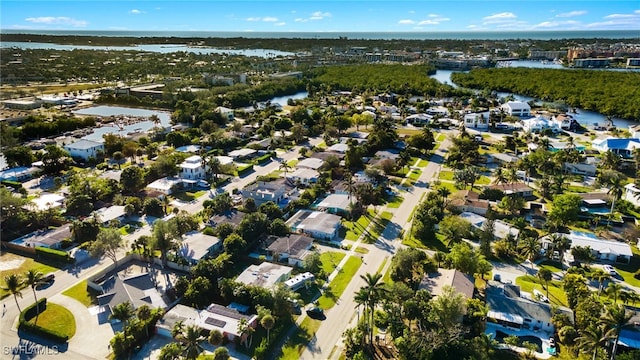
(28, 313)
(245, 169)
(263, 158)
(54, 255)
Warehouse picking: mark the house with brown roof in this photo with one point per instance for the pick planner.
(468, 200)
(459, 281)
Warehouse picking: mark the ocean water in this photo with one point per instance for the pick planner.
(460, 35)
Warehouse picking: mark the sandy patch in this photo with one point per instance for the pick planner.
(11, 264)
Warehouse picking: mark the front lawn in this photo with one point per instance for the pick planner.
(422, 163)
(27, 263)
(297, 342)
(446, 175)
(336, 287)
(330, 260)
(57, 318)
(395, 201)
(188, 196)
(379, 224)
(352, 230)
(436, 244)
(82, 293)
(627, 270)
(556, 293)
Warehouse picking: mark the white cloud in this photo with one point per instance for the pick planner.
(433, 15)
(300, 20)
(412, 11)
(316, 15)
(618, 21)
(136, 12)
(432, 19)
(280, 24)
(253, 19)
(571, 14)
(499, 18)
(620, 16)
(57, 20)
(406, 22)
(564, 25)
(269, 19)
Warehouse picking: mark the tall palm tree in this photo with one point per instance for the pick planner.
(34, 278)
(284, 167)
(500, 176)
(544, 274)
(600, 276)
(615, 319)
(443, 192)
(163, 238)
(529, 248)
(267, 322)
(215, 167)
(245, 332)
(439, 257)
(616, 189)
(560, 243)
(144, 314)
(123, 312)
(592, 338)
(13, 284)
(191, 339)
(614, 289)
(373, 289)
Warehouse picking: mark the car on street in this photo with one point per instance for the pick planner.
(316, 313)
(610, 270)
(497, 277)
(49, 277)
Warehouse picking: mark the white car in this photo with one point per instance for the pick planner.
(609, 269)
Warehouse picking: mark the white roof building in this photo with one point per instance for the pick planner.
(241, 153)
(632, 194)
(517, 108)
(164, 185)
(84, 149)
(195, 246)
(607, 250)
(266, 275)
(500, 228)
(538, 124)
(318, 224)
(110, 213)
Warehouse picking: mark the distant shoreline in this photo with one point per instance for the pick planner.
(448, 35)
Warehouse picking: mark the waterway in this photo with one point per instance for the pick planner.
(586, 118)
(119, 111)
(163, 49)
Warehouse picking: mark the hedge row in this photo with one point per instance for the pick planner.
(30, 312)
(263, 158)
(245, 169)
(54, 255)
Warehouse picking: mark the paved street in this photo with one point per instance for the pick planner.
(338, 318)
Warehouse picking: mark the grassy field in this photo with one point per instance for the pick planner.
(81, 293)
(436, 244)
(423, 163)
(627, 271)
(441, 137)
(27, 264)
(446, 175)
(188, 196)
(296, 343)
(355, 229)
(556, 293)
(379, 224)
(361, 250)
(330, 260)
(57, 318)
(335, 289)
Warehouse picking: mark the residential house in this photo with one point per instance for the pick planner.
(520, 189)
(337, 203)
(111, 213)
(632, 194)
(293, 248)
(509, 309)
(622, 147)
(263, 192)
(226, 113)
(391, 154)
(48, 201)
(196, 246)
(517, 108)
(310, 163)
(214, 317)
(242, 154)
(418, 119)
(192, 168)
(265, 275)
(502, 158)
(539, 124)
(479, 120)
(340, 148)
(18, 173)
(165, 185)
(233, 217)
(469, 201)
(303, 176)
(138, 289)
(566, 122)
(48, 238)
(192, 149)
(318, 224)
(580, 169)
(603, 250)
(500, 228)
(84, 149)
(459, 281)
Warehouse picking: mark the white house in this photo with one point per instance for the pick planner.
(606, 250)
(479, 120)
(265, 275)
(517, 108)
(165, 185)
(263, 192)
(632, 194)
(196, 246)
(225, 112)
(318, 224)
(622, 147)
(303, 176)
(192, 168)
(84, 149)
(539, 124)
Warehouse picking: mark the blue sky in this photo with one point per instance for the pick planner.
(318, 16)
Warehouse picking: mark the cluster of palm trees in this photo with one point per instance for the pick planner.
(189, 343)
(370, 295)
(14, 283)
(606, 332)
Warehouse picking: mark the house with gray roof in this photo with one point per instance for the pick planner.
(337, 203)
(310, 163)
(139, 289)
(214, 317)
(84, 149)
(263, 192)
(196, 246)
(318, 224)
(293, 248)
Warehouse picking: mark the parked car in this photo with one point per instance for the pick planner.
(552, 342)
(49, 277)
(497, 277)
(610, 269)
(316, 313)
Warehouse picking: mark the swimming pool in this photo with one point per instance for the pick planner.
(521, 340)
(584, 234)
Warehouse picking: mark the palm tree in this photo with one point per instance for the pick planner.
(600, 276)
(284, 167)
(615, 319)
(560, 243)
(500, 176)
(610, 160)
(34, 278)
(530, 248)
(177, 329)
(616, 189)
(144, 314)
(614, 289)
(439, 257)
(245, 331)
(373, 291)
(267, 322)
(215, 338)
(544, 274)
(13, 284)
(592, 338)
(123, 312)
(163, 238)
(191, 339)
(215, 167)
(443, 192)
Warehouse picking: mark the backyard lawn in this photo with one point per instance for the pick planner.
(81, 293)
(7, 259)
(57, 318)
